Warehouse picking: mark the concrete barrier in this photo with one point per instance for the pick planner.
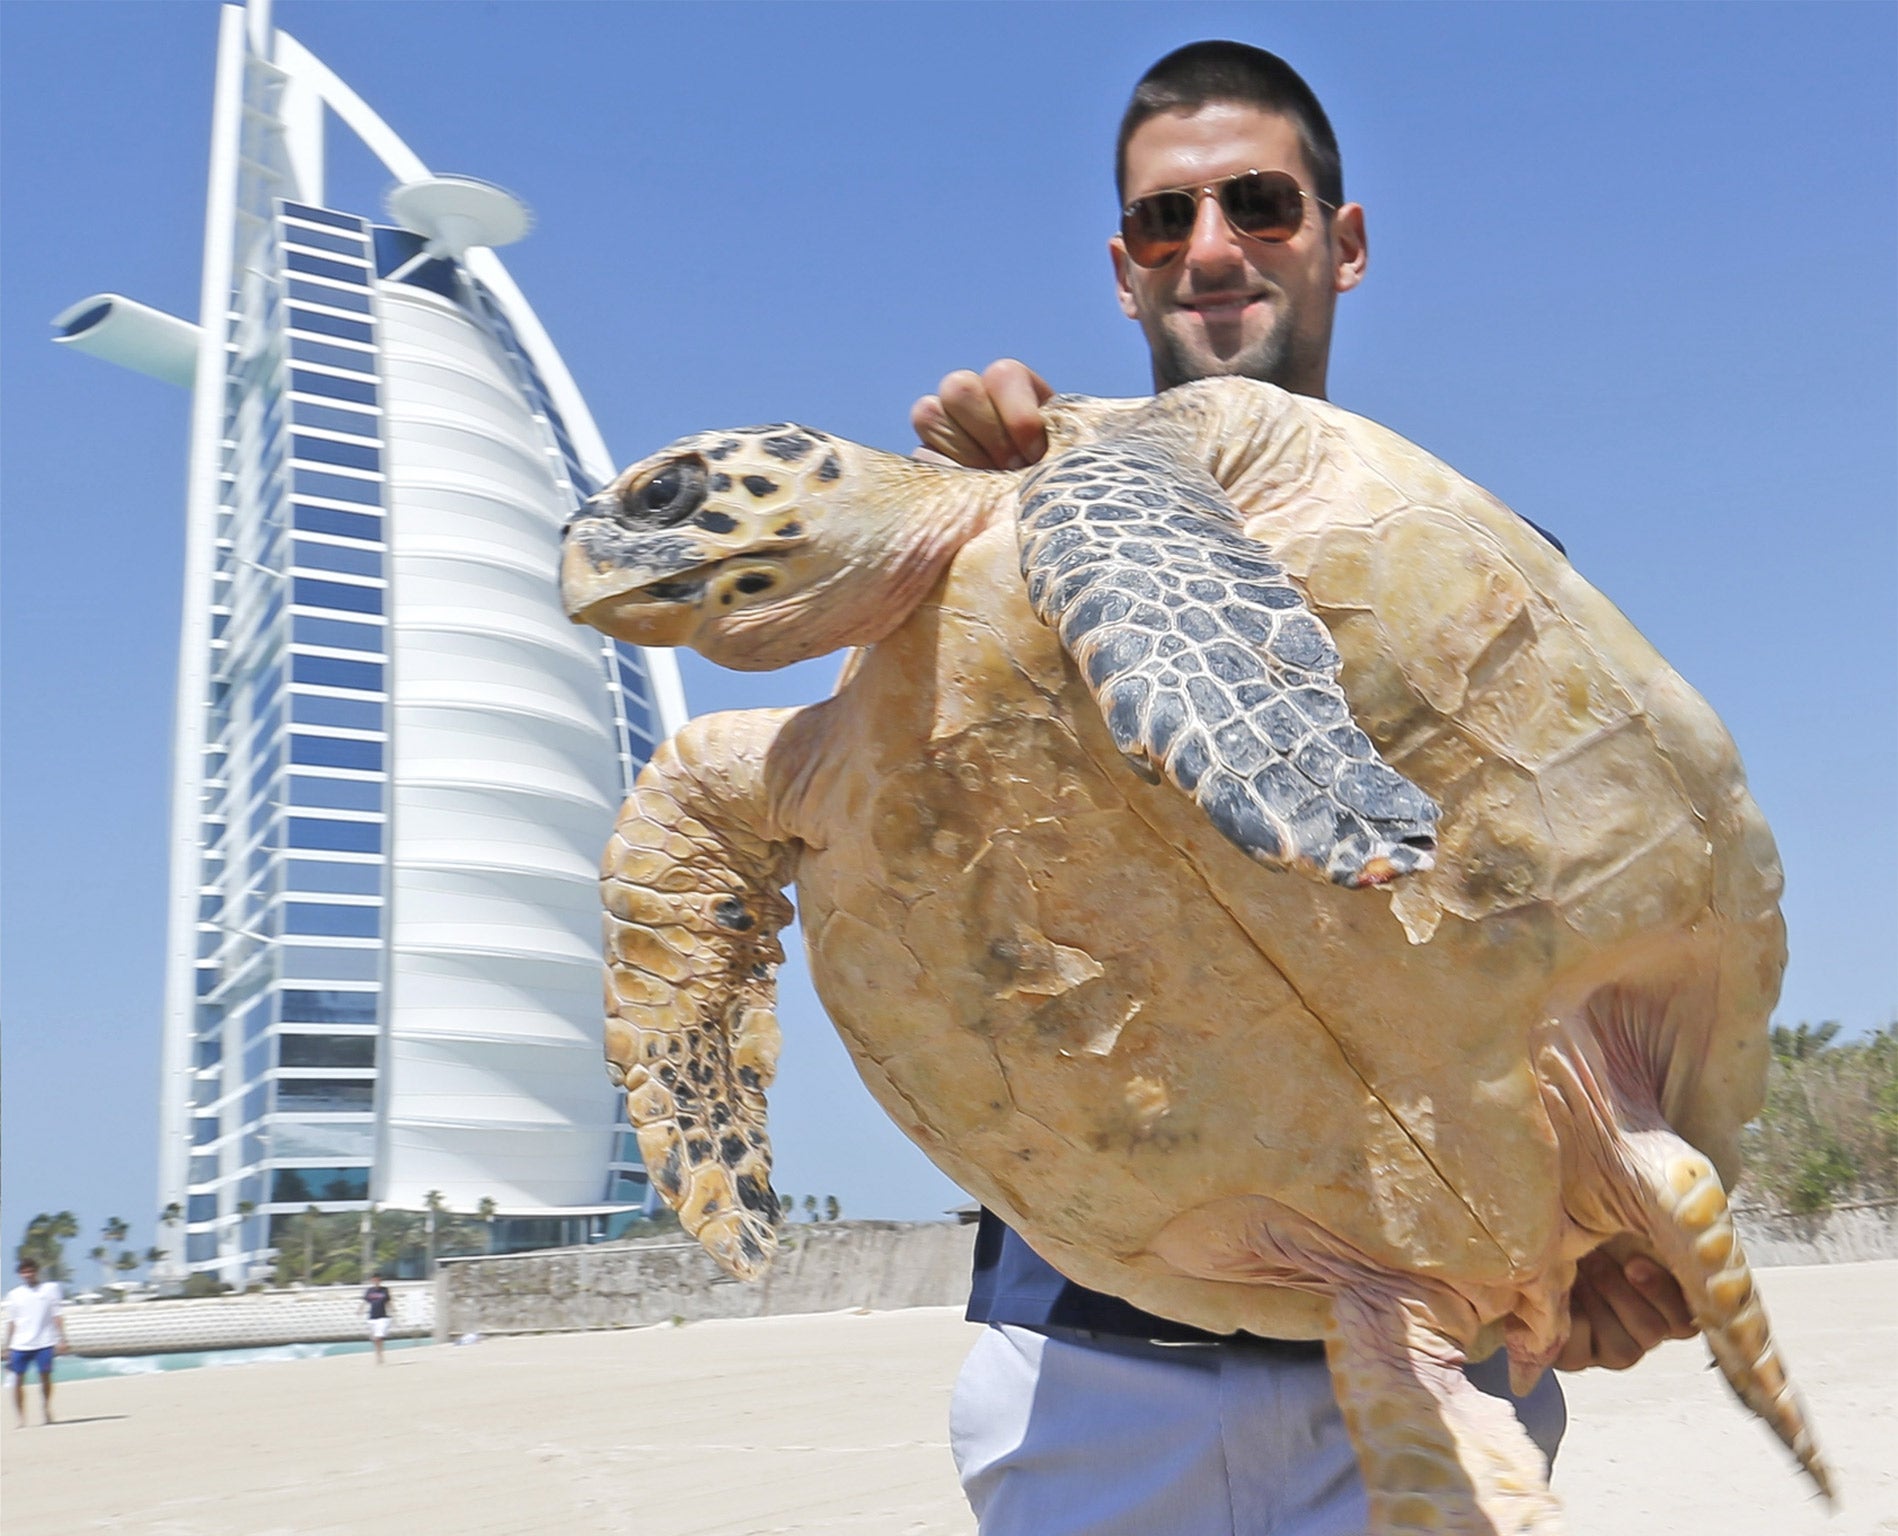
(824, 1267)
(316, 1315)
(1841, 1234)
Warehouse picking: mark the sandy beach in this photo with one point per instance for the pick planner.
(836, 1424)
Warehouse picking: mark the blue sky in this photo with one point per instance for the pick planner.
(1632, 269)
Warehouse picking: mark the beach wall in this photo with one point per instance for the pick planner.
(878, 1265)
(1841, 1234)
(313, 1315)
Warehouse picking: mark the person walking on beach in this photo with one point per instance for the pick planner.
(378, 1301)
(1076, 1414)
(35, 1334)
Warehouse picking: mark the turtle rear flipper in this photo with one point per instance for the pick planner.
(1437, 1454)
(1209, 666)
(694, 889)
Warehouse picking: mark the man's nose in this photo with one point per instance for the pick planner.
(1214, 242)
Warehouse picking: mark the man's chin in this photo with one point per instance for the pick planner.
(1180, 359)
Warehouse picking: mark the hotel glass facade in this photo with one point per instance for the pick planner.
(397, 761)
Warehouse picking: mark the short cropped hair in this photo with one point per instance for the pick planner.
(1202, 73)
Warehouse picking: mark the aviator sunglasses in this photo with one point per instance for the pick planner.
(1261, 205)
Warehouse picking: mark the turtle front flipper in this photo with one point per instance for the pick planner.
(1208, 665)
(693, 881)
(1437, 1454)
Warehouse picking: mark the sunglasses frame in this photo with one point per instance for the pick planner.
(1217, 189)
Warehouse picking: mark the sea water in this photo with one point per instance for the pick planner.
(88, 1368)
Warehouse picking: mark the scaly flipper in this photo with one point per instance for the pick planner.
(694, 882)
(1437, 1454)
(1208, 665)
(1636, 1173)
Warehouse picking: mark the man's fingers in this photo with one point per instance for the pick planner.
(1611, 1343)
(1663, 1294)
(936, 431)
(987, 420)
(1017, 393)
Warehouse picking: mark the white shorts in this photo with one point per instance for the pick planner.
(1086, 1435)
(378, 1327)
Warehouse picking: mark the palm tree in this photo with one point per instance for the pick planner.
(98, 1256)
(1804, 1042)
(115, 1229)
(433, 1203)
(154, 1256)
(486, 1211)
(310, 1214)
(833, 1209)
(126, 1263)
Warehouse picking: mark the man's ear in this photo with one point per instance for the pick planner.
(1123, 289)
(1350, 250)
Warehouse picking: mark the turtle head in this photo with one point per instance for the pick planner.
(763, 546)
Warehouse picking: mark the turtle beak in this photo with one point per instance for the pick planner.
(609, 570)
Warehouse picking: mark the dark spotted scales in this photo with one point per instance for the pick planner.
(1209, 667)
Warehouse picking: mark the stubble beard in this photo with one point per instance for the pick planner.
(1274, 358)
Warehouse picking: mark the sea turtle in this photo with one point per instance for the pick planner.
(1088, 845)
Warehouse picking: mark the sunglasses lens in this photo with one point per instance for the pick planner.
(1264, 205)
(1155, 229)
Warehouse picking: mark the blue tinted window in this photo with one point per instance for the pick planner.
(321, 293)
(203, 1130)
(359, 390)
(336, 922)
(336, 794)
(314, 482)
(331, 325)
(327, 1051)
(207, 980)
(325, 1095)
(394, 247)
(335, 633)
(302, 1186)
(322, 240)
(326, 450)
(341, 879)
(338, 557)
(257, 1058)
(314, 592)
(333, 672)
(321, 215)
(320, 266)
(203, 1169)
(304, 1007)
(343, 525)
(329, 417)
(336, 836)
(200, 1247)
(335, 752)
(256, 1102)
(308, 962)
(201, 1208)
(331, 356)
(350, 714)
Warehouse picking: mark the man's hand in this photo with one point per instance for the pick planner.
(1617, 1315)
(986, 420)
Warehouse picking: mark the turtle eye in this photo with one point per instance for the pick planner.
(671, 496)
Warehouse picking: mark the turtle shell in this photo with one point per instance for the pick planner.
(1103, 1020)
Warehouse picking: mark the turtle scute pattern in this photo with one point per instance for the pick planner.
(1209, 665)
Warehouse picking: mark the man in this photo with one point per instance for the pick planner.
(376, 1301)
(35, 1334)
(1076, 1413)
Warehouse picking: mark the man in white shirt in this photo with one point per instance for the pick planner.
(35, 1334)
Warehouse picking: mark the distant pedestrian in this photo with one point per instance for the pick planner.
(35, 1334)
(378, 1302)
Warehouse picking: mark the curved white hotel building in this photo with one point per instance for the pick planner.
(396, 762)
